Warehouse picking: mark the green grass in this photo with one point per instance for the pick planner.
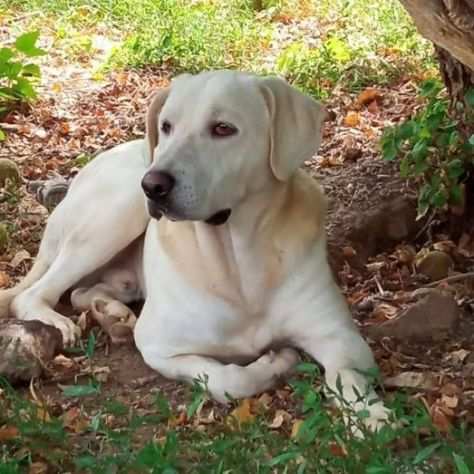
(323, 443)
(354, 42)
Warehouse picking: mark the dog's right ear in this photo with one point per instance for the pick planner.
(158, 99)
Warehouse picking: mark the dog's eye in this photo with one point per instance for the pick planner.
(165, 127)
(222, 129)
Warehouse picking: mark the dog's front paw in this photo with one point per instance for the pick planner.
(280, 361)
(377, 416)
(70, 332)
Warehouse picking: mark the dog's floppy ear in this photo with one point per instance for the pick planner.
(158, 99)
(296, 126)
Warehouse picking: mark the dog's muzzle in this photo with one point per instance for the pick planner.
(157, 185)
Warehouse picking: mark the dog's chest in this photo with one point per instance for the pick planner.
(242, 273)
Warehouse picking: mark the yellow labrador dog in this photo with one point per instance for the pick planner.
(232, 264)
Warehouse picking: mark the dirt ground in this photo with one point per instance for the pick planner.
(373, 258)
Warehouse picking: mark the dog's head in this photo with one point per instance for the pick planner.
(217, 137)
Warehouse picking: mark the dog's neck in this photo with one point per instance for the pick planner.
(243, 259)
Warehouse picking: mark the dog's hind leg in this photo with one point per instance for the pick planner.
(85, 250)
(38, 269)
(46, 254)
(103, 212)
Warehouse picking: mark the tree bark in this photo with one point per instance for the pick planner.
(449, 24)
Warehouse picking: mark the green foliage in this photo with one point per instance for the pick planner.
(18, 76)
(190, 37)
(360, 43)
(315, 70)
(323, 444)
(351, 43)
(432, 149)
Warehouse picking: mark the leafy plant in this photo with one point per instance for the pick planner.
(18, 76)
(432, 148)
(315, 70)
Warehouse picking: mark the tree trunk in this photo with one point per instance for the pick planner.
(458, 79)
(449, 24)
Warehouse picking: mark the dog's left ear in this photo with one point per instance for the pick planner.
(158, 99)
(296, 126)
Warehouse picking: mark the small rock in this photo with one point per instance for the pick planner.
(435, 265)
(351, 149)
(25, 348)
(49, 193)
(9, 171)
(431, 317)
(378, 229)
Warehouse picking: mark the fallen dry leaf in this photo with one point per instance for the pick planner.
(421, 380)
(405, 254)
(38, 468)
(264, 401)
(280, 417)
(4, 280)
(19, 258)
(352, 119)
(101, 373)
(56, 87)
(179, 420)
(450, 389)
(440, 420)
(369, 95)
(384, 311)
(458, 356)
(337, 450)
(374, 267)
(8, 432)
(61, 361)
(373, 107)
(75, 421)
(241, 414)
(450, 401)
(295, 429)
(42, 413)
(206, 418)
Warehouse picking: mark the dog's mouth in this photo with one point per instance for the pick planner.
(155, 211)
(219, 218)
(158, 211)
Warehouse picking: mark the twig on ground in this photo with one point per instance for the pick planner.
(451, 278)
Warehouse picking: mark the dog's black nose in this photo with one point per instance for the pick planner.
(157, 184)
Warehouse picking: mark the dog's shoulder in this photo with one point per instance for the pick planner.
(302, 216)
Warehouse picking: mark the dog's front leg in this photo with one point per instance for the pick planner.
(330, 336)
(225, 381)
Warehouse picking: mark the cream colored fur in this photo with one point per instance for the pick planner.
(231, 302)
